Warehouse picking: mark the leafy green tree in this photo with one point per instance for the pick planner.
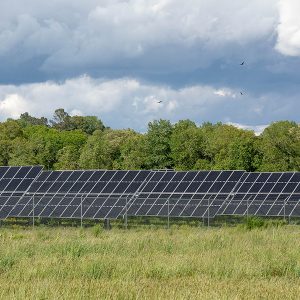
(132, 153)
(87, 124)
(228, 148)
(47, 142)
(103, 149)
(157, 145)
(186, 145)
(68, 158)
(27, 120)
(63, 121)
(9, 131)
(22, 153)
(280, 147)
(203, 164)
(241, 154)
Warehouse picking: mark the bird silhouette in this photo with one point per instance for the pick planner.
(241, 93)
(159, 101)
(242, 63)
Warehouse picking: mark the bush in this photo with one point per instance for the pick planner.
(254, 222)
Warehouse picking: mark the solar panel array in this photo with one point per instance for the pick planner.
(184, 194)
(14, 182)
(94, 194)
(265, 194)
(101, 194)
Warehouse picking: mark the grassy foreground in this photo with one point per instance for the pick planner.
(181, 263)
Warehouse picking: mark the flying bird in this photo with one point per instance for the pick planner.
(242, 63)
(159, 101)
(241, 93)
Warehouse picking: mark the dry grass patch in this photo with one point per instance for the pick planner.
(181, 263)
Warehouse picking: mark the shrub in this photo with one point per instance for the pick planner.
(254, 222)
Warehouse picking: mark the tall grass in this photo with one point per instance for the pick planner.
(180, 263)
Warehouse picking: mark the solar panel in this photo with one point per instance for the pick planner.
(88, 194)
(263, 194)
(183, 194)
(14, 182)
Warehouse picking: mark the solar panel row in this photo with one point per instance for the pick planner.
(98, 194)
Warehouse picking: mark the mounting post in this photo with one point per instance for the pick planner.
(247, 208)
(32, 211)
(126, 214)
(168, 213)
(81, 210)
(284, 217)
(107, 224)
(208, 212)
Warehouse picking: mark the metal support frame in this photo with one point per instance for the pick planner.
(208, 212)
(284, 202)
(81, 212)
(107, 224)
(252, 200)
(247, 208)
(126, 213)
(33, 206)
(169, 213)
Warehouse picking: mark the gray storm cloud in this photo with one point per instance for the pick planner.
(135, 33)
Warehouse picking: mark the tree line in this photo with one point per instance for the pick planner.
(84, 142)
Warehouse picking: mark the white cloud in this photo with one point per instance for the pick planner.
(288, 42)
(117, 101)
(224, 93)
(258, 129)
(13, 105)
(76, 112)
(128, 102)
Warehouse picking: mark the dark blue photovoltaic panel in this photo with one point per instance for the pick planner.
(104, 194)
(58, 192)
(121, 188)
(181, 187)
(14, 182)
(296, 177)
(11, 172)
(263, 177)
(107, 176)
(274, 177)
(119, 175)
(22, 172)
(96, 176)
(263, 194)
(3, 170)
(286, 177)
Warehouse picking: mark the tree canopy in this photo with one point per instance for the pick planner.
(84, 142)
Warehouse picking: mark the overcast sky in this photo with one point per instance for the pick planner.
(117, 59)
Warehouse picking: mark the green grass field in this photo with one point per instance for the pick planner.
(144, 263)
